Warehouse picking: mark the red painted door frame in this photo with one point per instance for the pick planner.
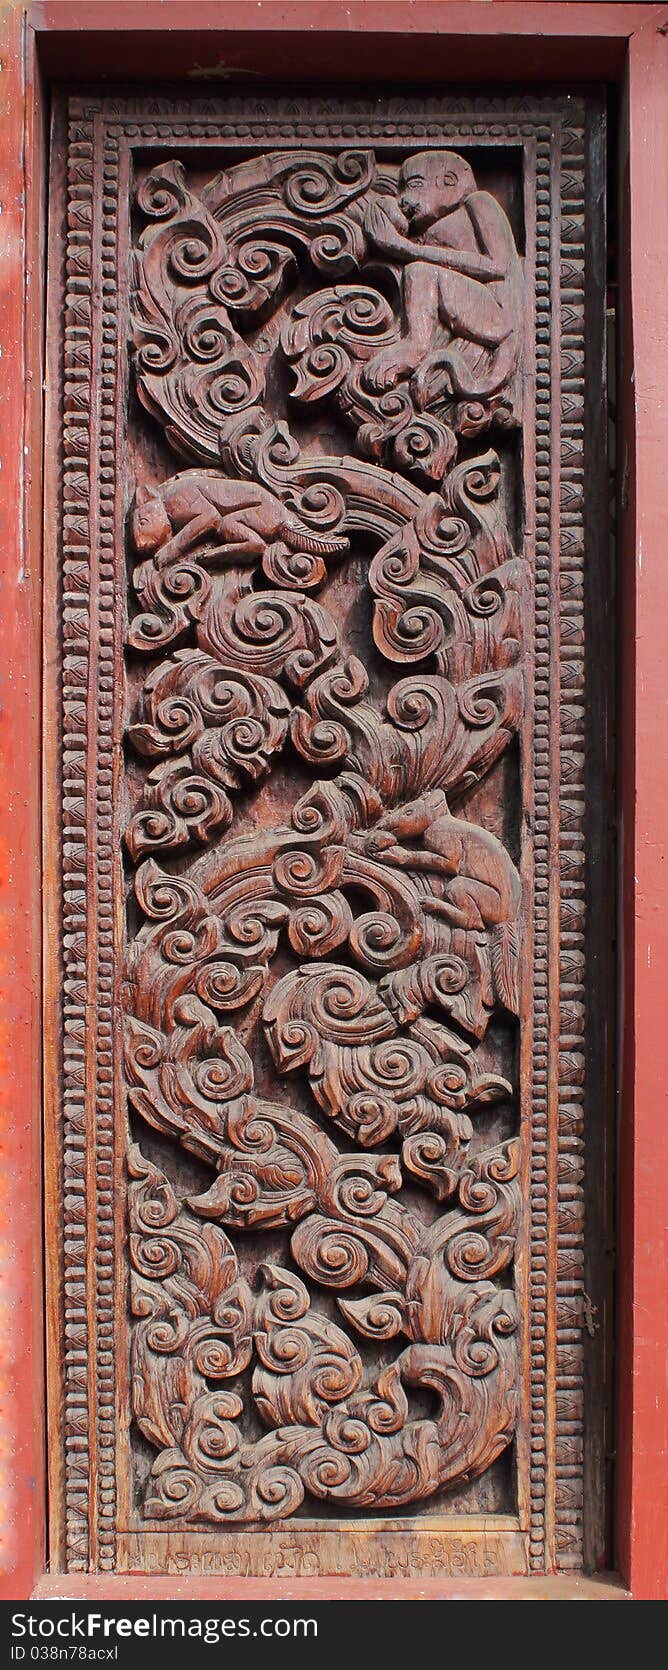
(439, 41)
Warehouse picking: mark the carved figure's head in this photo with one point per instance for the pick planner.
(151, 526)
(431, 183)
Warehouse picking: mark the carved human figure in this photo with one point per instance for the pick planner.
(482, 889)
(461, 284)
(202, 506)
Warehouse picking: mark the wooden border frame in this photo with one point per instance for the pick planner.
(627, 44)
(559, 1522)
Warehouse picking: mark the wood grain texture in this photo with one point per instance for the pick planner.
(331, 1264)
(22, 236)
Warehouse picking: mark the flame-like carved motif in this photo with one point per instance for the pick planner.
(360, 936)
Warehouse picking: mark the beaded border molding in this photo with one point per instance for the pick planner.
(99, 132)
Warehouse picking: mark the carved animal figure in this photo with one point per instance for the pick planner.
(199, 506)
(461, 284)
(483, 889)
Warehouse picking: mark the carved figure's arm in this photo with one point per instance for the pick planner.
(488, 263)
(468, 262)
(492, 232)
(380, 226)
(407, 858)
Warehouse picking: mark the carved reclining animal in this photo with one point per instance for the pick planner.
(198, 506)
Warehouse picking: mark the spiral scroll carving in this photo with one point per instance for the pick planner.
(323, 977)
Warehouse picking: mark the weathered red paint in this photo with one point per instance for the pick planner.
(425, 40)
(22, 1532)
(642, 1443)
(402, 39)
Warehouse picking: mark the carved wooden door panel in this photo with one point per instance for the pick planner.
(315, 604)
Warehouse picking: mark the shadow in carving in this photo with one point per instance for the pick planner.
(367, 938)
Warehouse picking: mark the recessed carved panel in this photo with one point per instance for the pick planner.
(311, 930)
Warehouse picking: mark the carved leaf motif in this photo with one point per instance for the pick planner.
(223, 726)
(182, 1084)
(368, 1076)
(306, 1363)
(352, 932)
(330, 1436)
(448, 583)
(193, 1310)
(192, 366)
(411, 375)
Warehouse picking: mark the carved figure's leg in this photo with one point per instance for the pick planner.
(471, 904)
(482, 351)
(241, 540)
(449, 912)
(470, 309)
(420, 304)
(235, 537)
(416, 815)
(464, 369)
(199, 527)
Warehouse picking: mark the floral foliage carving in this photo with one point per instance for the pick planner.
(311, 997)
(329, 1435)
(429, 351)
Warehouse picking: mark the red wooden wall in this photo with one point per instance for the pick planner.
(412, 40)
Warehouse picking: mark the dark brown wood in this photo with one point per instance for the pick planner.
(602, 622)
(323, 1289)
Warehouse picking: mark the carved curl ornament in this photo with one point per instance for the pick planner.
(368, 941)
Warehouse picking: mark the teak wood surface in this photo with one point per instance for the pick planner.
(618, 40)
(326, 672)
